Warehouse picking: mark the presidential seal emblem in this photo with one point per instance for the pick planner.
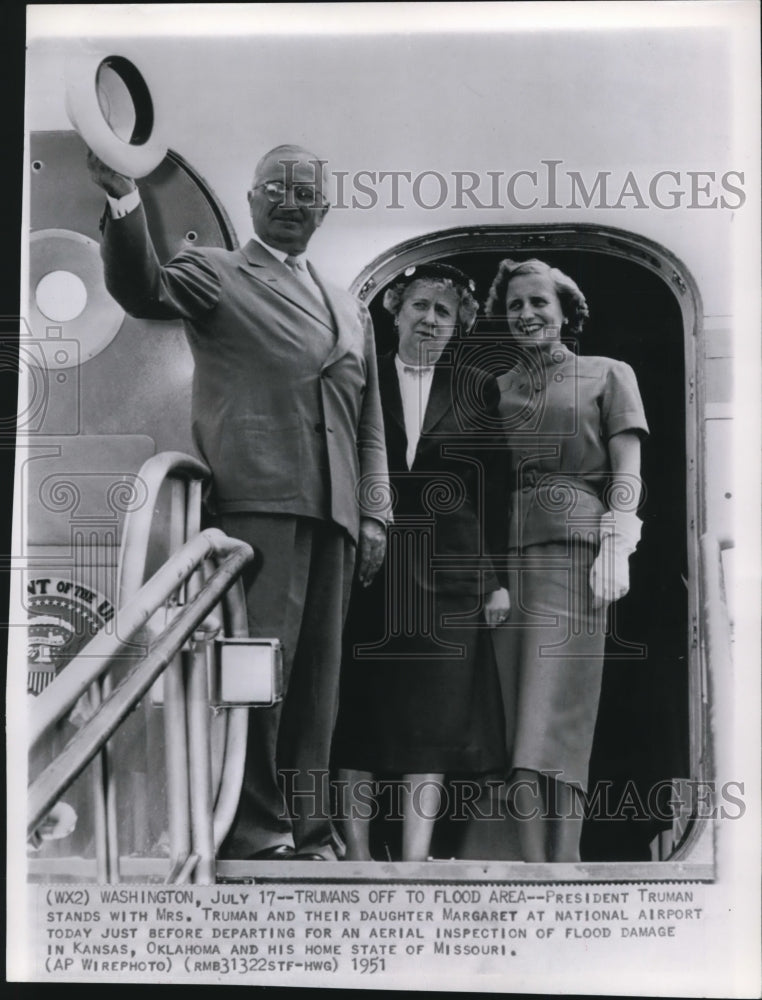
(63, 617)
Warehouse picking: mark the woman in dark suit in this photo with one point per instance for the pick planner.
(419, 695)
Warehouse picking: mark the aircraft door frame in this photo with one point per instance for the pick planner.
(534, 241)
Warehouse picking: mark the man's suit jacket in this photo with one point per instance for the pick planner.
(457, 490)
(286, 408)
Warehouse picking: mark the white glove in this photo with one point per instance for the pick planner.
(610, 573)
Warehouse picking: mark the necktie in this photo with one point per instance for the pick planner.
(417, 370)
(302, 275)
(305, 279)
(295, 265)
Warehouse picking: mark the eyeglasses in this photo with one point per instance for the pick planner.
(303, 195)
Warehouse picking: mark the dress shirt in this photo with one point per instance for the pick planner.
(124, 205)
(415, 387)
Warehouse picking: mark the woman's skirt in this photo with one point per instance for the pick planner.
(419, 688)
(550, 662)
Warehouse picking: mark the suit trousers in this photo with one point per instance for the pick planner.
(297, 591)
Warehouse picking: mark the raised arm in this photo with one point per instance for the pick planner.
(188, 286)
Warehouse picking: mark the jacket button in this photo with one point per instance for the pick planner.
(319, 428)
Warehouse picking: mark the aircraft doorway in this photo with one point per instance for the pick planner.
(642, 310)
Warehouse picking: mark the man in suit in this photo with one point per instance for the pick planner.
(286, 413)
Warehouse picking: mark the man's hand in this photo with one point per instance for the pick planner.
(497, 607)
(372, 549)
(114, 184)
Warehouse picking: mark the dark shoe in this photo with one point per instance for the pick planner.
(281, 852)
(306, 856)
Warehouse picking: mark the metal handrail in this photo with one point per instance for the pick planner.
(90, 663)
(54, 702)
(137, 523)
(236, 735)
(183, 475)
(232, 725)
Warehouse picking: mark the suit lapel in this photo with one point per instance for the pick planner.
(389, 388)
(268, 270)
(440, 398)
(344, 312)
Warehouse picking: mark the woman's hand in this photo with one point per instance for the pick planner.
(497, 607)
(620, 526)
(609, 574)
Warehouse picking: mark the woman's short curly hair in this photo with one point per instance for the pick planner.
(443, 274)
(573, 304)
